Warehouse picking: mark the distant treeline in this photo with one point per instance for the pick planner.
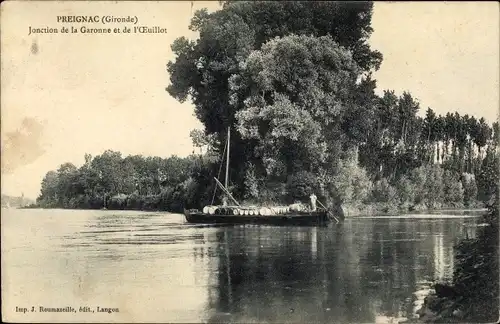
(15, 202)
(134, 182)
(293, 82)
(463, 174)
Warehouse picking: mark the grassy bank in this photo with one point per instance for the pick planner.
(473, 294)
(350, 211)
(383, 209)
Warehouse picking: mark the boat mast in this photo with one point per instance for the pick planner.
(226, 181)
(227, 159)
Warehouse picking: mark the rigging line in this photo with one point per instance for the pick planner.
(226, 192)
(218, 174)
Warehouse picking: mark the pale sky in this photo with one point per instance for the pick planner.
(98, 92)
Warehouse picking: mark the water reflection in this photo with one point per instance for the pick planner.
(157, 268)
(367, 271)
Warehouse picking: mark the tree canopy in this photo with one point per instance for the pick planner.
(293, 81)
(227, 75)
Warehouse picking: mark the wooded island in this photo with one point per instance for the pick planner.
(294, 80)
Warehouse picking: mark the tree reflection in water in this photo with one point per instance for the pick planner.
(364, 271)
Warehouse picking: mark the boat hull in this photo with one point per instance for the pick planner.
(312, 218)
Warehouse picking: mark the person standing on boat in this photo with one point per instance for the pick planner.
(224, 201)
(313, 201)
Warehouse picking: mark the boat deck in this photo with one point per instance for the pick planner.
(291, 218)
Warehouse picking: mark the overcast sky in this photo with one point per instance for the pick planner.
(96, 92)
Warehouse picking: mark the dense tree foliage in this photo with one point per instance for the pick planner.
(133, 182)
(292, 80)
(219, 70)
(136, 182)
(295, 104)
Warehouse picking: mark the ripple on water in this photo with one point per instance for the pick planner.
(368, 270)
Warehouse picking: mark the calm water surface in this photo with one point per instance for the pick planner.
(156, 267)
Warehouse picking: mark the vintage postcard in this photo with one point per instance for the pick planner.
(249, 162)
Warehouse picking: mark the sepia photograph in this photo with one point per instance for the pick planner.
(250, 162)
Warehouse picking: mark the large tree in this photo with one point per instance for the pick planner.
(205, 70)
(300, 92)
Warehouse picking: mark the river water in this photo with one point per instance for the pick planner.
(154, 267)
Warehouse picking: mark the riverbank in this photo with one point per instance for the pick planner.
(349, 213)
(473, 294)
(389, 210)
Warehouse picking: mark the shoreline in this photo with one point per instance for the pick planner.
(472, 294)
(377, 210)
(434, 213)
